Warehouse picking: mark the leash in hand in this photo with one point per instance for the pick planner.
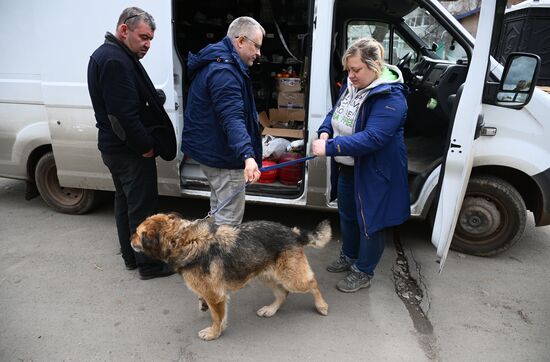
(263, 169)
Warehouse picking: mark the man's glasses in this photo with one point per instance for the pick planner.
(133, 16)
(256, 45)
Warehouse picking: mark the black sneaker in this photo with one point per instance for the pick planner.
(150, 273)
(354, 281)
(342, 264)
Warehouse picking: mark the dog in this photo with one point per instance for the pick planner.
(214, 260)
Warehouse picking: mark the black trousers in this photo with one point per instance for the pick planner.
(136, 198)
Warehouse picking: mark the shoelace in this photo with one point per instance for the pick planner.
(355, 276)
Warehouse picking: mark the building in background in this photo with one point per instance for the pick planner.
(467, 12)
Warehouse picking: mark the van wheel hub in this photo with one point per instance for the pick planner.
(479, 217)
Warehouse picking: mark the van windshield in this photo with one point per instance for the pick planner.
(434, 35)
(427, 32)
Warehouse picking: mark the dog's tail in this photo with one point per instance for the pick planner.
(318, 238)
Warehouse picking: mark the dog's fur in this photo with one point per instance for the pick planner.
(214, 260)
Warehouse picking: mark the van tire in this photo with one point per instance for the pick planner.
(62, 199)
(492, 218)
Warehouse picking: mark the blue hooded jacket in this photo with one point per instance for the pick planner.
(221, 126)
(380, 158)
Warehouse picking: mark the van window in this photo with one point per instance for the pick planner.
(381, 32)
(434, 35)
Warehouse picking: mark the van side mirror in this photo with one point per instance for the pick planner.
(518, 81)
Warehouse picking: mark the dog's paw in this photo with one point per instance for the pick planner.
(266, 311)
(208, 334)
(322, 309)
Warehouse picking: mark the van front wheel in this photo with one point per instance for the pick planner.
(67, 200)
(492, 218)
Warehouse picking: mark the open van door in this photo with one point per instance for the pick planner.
(457, 167)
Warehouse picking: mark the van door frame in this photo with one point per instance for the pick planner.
(457, 166)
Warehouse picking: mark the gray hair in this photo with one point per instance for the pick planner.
(371, 52)
(244, 25)
(133, 15)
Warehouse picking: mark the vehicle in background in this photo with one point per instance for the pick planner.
(490, 139)
(526, 28)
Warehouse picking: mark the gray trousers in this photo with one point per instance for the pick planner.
(224, 183)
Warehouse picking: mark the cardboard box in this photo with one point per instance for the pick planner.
(278, 116)
(288, 84)
(290, 100)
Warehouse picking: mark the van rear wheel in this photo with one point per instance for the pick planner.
(67, 200)
(492, 218)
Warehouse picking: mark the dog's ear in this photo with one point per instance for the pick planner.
(149, 240)
(174, 215)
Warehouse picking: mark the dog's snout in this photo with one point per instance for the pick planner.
(134, 243)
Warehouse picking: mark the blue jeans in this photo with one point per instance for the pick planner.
(365, 251)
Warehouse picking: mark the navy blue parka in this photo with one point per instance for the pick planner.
(380, 158)
(221, 126)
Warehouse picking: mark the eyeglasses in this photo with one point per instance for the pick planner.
(133, 16)
(256, 45)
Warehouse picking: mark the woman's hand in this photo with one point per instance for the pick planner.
(318, 146)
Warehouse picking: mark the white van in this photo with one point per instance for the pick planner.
(491, 139)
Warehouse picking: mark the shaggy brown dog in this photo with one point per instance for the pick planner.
(214, 260)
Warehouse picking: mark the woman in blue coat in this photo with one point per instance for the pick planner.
(364, 135)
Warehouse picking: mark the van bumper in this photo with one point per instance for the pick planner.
(542, 210)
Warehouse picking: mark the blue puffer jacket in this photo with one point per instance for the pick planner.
(221, 122)
(380, 158)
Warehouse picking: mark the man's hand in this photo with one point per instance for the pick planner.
(150, 153)
(324, 136)
(251, 171)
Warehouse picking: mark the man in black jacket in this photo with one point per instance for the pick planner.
(133, 128)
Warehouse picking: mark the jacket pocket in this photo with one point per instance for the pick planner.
(381, 169)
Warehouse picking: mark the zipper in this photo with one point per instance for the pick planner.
(363, 215)
(356, 161)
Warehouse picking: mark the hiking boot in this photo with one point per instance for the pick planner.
(354, 281)
(342, 264)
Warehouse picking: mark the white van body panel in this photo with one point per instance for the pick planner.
(521, 137)
(27, 138)
(420, 207)
(55, 87)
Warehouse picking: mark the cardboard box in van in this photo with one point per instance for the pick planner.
(278, 118)
(290, 100)
(289, 85)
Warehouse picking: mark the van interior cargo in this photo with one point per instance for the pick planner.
(433, 70)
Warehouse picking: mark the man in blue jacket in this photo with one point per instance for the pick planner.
(133, 129)
(221, 130)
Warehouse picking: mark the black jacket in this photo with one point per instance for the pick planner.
(129, 113)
